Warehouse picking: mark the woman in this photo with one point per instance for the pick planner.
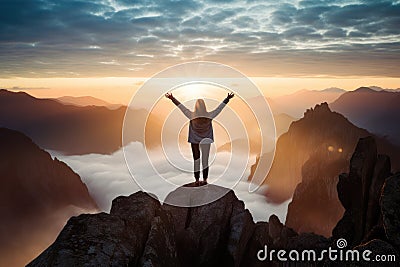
(201, 133)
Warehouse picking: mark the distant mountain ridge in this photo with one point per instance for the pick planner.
(68, 128)
(376, 111)
(296, 103)
(82, 101)
(53, 125)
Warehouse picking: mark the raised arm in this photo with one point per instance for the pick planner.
(221, 106)
(184, 109)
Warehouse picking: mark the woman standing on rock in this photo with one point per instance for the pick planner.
(201, 133)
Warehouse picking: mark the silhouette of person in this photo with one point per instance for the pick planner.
(201, 133)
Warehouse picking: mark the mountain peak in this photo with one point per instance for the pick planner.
(376, 111)
(6, 92)
(333, 90)
(364, 89)
(376, 88)
(82, 101)
(318, 109)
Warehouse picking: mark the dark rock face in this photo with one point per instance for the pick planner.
(258, 240)
(37, 195)
(359, 192)
(216, 233)
(319, 130)
(379, 248)
(140, 232)
(371, 201)
(136, 232)
(390, 206)
(315, 205)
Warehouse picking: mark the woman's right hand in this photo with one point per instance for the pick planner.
(169, 95)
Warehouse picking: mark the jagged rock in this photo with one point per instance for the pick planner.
(308, 241)
(275, 227)
(206, 238)
(377, 232)
(241, 230)
(390, 206)
(96, 240)
(287, 233)
(138, 205)
(381, 172)
(258, 240)
(358, 193)
(315, 206)
(139, 231)
(136, 224)
(279, 233)
(160, 249)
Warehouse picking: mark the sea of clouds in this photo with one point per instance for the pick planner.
(107, 176)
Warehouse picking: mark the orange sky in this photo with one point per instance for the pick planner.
(120, 89)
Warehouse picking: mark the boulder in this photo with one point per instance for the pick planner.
(213, 234)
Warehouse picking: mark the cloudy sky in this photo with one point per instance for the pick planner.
(129, 38)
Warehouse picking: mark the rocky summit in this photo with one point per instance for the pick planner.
(140, 231)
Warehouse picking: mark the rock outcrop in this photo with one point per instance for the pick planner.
(315, 206)
(140, 231)
(216, 233)
(136, 232)
(390, 206)
(360, 190)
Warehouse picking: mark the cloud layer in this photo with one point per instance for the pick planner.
(68, 38)
(107, 177)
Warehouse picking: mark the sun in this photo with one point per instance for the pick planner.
(198, 90)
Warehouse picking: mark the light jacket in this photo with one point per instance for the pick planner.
(200, 127)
